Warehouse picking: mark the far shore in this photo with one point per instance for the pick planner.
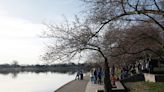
(61, 68)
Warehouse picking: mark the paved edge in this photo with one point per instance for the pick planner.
(64, 85)
(86, 76)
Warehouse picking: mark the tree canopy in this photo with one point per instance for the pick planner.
(116, 29)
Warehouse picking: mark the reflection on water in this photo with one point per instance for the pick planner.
(33, 82)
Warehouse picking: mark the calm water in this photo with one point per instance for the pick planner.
(32, 82)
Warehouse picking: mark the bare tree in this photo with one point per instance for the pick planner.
(71, 39)
(130, 44)
(122, 12)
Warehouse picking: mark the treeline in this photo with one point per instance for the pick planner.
(61, 68)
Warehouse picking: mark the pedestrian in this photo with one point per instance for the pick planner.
(99, 75)
(92, 75)
(95, 76)
(77, 75)
(81, 74)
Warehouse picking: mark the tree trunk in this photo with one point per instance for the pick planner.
(107, 82)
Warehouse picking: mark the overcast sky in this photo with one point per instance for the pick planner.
(21, 23)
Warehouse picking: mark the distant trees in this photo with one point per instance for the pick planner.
(15, 63)
(60, 68)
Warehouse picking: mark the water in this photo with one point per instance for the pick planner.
(33, 82)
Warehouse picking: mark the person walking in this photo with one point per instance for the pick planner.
(99, 75)
(92, 75)
(81, 74)
(95, 76)
(77, 75)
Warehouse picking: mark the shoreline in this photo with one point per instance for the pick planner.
(64, 85)
(76, 84)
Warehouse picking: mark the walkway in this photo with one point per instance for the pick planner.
(86, 86)
(93, 87)
(74, 86)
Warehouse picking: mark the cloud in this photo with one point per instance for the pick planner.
(11, 27)
(19, 40)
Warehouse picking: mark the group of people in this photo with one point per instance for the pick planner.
(79, 75)
(145, 66)
(96, 75)
(128, 71)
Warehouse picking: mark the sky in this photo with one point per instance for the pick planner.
(21, 24)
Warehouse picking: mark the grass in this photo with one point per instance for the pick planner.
(155, 87)
(145, 86)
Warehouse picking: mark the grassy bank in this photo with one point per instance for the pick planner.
(145, 86)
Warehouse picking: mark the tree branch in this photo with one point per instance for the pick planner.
(160, 25)
(157, 5)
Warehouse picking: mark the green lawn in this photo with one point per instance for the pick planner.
(145, 86)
